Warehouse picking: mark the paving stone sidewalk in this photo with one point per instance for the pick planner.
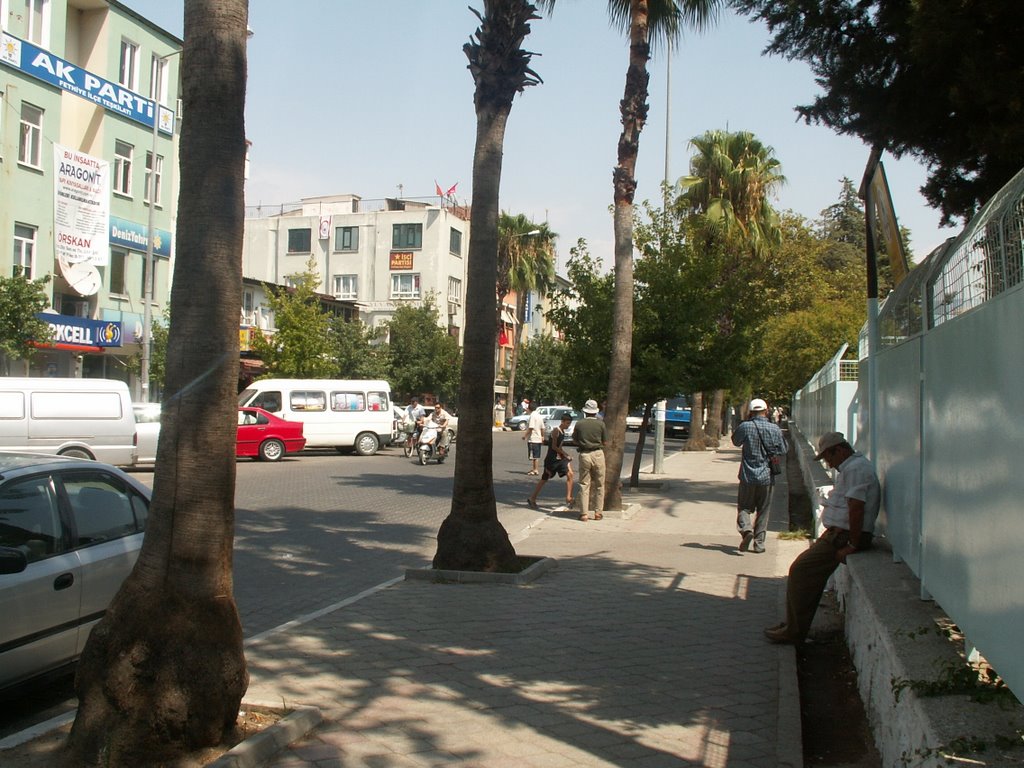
(642, 648)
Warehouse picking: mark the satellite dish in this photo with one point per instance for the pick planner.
(83, 278)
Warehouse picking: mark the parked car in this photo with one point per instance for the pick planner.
(556, 419)
(70, 532)
(520, 422)
(266, 437)
(261, 434)
(635, 418)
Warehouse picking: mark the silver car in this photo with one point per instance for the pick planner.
(70, 532)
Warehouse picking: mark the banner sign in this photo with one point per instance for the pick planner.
(83, 331)
(401, 260)
(81, 207)
(130, 235)
(43, 65)
(878, 195)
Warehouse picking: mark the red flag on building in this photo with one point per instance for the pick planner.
(438, 188)
(451, 190)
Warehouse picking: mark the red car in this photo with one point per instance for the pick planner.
(267, 437)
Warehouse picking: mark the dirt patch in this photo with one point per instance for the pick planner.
(46, 751)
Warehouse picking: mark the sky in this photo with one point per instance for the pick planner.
(374, 99)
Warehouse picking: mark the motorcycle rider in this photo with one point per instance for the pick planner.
(414, 412)
(438, 420)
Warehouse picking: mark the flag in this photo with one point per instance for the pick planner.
(451, 191)
(437, 187)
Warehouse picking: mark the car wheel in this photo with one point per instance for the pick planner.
(271, 450)
(77, 453)
(521, 426)
(367, 444)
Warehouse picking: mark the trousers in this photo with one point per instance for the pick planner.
(756, 500)
(591, 481)
(808, 576)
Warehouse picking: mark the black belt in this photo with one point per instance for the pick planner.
(588, 450)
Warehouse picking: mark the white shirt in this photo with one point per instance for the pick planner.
(536, 427)
(856, 479)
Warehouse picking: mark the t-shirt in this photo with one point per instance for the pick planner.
(589, 434)
(536, 428)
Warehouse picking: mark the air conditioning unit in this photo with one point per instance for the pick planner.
(453, 308)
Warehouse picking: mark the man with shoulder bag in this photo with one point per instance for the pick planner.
(761, 460)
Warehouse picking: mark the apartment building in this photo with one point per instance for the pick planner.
(89, 95)
(376, 254)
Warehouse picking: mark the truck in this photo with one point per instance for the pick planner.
(677, 417)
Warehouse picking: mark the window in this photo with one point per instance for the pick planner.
(248, 306)
(311, 400)
(28, 519)
(123, 168)
(348, 401)
(346, 287)
(346, 238)
(455, 290)
(455, 242)
(407, 236)
(158, 80)
(30, 141)
(102, 509)
(158, 181)
(300, 241)
(117, 268)
(24, 250)
(268, 401)
(128, 75)
(38, 15)
(405, 286)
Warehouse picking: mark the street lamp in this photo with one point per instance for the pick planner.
(147, 298)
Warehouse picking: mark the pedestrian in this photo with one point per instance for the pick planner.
(848, 514)
(534, 438)
(523, 406)
(556, 462)
(760, 439)
(590, 437)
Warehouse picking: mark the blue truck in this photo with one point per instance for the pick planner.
(677, 417)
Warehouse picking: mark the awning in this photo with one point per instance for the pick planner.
(508, 317)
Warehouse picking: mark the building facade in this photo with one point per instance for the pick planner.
(89, 92)
(377, 254)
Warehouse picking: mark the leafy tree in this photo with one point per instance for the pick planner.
(526, 262)
(164, 671)
(300, 348)
(471, 538)
(21, 300)
(356, 350)
(542, 370)
(421, 357)
(940, 80)
(644, 20)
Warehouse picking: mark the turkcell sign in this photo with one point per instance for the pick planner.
(82, 331)
(43, 65)
(133, 236)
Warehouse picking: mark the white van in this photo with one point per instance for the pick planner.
(337, 413)
(84, 418)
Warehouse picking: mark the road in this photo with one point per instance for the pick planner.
(315, 529)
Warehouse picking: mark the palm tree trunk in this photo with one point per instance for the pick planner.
(698, 438)
(164, 671)
(633, 109)
(471, 538)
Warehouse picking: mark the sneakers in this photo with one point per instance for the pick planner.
(748, 536)
(531, 504)
(779, 635)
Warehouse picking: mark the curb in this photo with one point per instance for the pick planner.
(535, 571)
(257, 749)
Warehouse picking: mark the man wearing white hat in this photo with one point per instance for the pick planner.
(760, 440)
(590, 436)
(849, 515)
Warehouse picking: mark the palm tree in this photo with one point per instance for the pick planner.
(471, 538)
(163, 672)
(526, 262)
(732, 177)
(664, 21)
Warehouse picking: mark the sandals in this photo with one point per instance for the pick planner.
(598, 516)
(583, 518)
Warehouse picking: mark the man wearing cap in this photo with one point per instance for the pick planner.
(590, 436)
(849, 515)
(759, 439)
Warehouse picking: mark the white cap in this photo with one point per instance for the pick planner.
(757, 404)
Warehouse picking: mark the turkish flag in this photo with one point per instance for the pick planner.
(438, 188)
(451, 191)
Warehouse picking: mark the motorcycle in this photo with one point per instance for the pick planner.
(429, 446)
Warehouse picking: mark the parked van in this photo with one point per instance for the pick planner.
(83, 418)
(337, 413)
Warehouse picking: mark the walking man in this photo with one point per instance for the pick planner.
(760, 439)
(590, 436)
(849, 514)
(556, 462)
(534, 437)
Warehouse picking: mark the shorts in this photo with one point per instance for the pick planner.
(533, 450)
(558, 467)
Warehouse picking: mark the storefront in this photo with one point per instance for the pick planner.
(81, 348)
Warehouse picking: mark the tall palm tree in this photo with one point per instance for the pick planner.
(732, 177)
(645, 21)
(163, 672)
(471, 538)
(526, 263)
